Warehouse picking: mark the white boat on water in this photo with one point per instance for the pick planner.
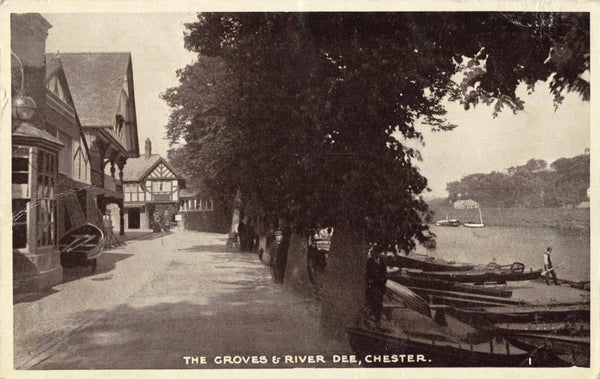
(448, 222)
(474, 224)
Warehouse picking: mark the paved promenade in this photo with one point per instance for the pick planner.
(161, 298)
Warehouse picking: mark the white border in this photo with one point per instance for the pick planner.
(125, 6)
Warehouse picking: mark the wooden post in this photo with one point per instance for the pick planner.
(121, 165)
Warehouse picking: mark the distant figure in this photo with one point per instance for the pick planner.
(243, 236)
(167, 221)
(156, 223)
(109, 238)
(549, 268)
(250, 236)
(376, 279)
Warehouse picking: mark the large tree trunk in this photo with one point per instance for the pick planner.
(343, 283)
(296, 274)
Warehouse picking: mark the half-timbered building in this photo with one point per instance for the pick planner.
(101, 85)
(150, 185)
(76, 204)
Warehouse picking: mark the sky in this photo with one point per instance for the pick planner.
(155, 41)
(480, 144)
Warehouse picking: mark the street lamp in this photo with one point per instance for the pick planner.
(23, 106)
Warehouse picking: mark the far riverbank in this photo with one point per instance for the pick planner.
(566, 219)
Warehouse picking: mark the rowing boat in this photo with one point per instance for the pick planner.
(571, 350)
(425, 263)
(560, 328)
(476, 276)
(525, 313)
(81, 245)
(373, 347)
(444, 285)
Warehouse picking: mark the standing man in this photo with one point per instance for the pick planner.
(242, 235)
(167, 221)
(376, 279)
(549, 268)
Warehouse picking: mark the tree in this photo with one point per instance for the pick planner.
(300, 109)
(530, 185)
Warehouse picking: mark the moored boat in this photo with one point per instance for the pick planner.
(556, 328)
(472, 224)
(369, 345)
(571, 350)
(425, 263)
(448, 222)
(525, 313)
(444, 285)
(81, 246)
(477, 276)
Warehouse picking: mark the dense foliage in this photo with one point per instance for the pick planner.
(564, 183)
(299, 110)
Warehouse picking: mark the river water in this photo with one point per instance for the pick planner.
(570, 250)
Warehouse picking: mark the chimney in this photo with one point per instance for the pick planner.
(148, 149)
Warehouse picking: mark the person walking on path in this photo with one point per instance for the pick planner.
(549, 268)
(242, 236)
(376, 279)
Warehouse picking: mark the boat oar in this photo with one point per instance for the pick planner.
(552, 268)
(411, 299)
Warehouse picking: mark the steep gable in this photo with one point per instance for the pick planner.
(96, 81)
(153, 167)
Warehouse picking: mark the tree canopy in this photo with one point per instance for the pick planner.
(300, 110)
(533, 184)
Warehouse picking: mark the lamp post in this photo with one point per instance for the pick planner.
(23, 106)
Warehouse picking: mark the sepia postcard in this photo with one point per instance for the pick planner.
(294, 189)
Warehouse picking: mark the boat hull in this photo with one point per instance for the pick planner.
(454, 223)
(81, 245)
(523, 314)
(435, 284)
(369, 344)
(426, 263)
(478, 276)
(472, 225)
(573, 351)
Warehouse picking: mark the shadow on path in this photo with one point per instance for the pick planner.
(249, 318)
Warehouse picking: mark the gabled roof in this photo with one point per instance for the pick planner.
(95, 81)
(54, 67)
(137, 169)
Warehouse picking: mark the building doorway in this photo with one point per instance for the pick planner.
(133, 218)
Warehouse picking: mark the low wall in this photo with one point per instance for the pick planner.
(204, 221)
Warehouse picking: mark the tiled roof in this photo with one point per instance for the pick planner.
(137, 168)
(95, 81)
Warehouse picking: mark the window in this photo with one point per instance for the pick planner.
(46, 204)
(161, 186)
(20, 194)
(19, 209)
(65, 156)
